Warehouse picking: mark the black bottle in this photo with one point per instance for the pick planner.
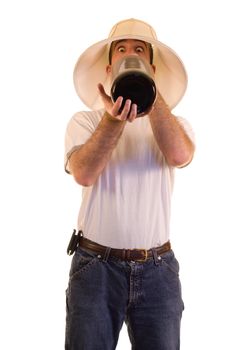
(133, 81)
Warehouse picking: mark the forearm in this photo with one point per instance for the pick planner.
(170, 135)
(88, 161)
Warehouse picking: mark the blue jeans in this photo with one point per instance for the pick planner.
(102, 294)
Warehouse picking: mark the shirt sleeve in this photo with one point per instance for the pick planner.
(79, 129)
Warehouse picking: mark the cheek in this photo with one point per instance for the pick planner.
(117, 56)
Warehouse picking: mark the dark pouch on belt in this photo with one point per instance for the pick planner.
(74, 242)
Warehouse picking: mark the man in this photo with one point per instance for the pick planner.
(124, 268)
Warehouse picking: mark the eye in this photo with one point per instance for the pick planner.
(121, 49)
(139, 49)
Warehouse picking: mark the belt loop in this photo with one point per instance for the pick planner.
(155, 256)
(106, 255)
(124, 255)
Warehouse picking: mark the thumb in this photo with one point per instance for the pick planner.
(102, 91)
(105, 98)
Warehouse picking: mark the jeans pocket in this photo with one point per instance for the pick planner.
(170, 261)
(81, 263)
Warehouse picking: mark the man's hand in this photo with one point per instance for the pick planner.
(129, 111)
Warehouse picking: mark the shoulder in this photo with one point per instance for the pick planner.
(87, 117)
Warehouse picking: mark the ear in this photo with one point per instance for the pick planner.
(108, 69)
(154, 68)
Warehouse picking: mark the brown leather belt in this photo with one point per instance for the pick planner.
(123, 254)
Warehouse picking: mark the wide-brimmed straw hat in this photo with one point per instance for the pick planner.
(90, 69)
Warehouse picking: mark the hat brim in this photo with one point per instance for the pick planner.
(90, 70)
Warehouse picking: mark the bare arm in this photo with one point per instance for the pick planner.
(171, 137)
(88, 161)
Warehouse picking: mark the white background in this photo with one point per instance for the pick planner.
(40, 43)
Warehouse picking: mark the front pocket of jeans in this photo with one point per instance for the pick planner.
(81, 264)
(172, 264)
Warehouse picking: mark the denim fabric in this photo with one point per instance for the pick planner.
(101, 295)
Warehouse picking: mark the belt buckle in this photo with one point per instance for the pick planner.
(145, 255)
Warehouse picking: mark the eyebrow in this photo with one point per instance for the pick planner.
(124, 40)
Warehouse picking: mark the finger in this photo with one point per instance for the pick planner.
(102, 90)
(133, 113)
(105, 98)
(107, 101)
(126, 109)
(117, 105)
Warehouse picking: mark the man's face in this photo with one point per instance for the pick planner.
(123, 48)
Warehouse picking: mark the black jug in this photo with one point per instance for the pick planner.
(132, 79)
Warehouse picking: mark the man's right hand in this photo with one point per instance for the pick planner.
(128, 113)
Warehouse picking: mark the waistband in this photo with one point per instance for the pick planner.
(139, 255)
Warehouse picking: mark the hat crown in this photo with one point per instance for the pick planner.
(132, 27)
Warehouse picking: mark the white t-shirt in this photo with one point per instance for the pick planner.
(129, 205)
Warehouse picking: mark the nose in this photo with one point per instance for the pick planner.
(132, 51)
